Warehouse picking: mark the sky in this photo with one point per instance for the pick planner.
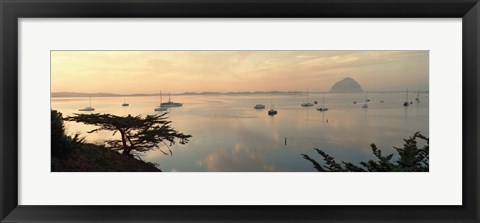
(130, 72)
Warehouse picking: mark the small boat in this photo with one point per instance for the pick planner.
(354, 102)
(259, 106)
(89, 108)
(405, 104)
(365, 105)
(125, 104)
(323, 108)
(160, 108)
(170, 103)
(307, 104)
(272, 111)
(417, 99)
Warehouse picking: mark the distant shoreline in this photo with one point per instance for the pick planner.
(77, 94)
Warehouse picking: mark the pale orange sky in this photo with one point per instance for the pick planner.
(128, 72)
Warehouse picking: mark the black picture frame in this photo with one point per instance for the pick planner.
(12, 10)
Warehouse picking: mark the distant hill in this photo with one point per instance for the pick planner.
(75, 94)
(347, 85)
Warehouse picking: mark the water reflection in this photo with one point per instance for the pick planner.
(229, 135)
(365, 113)
(406, 114)
(235, 159)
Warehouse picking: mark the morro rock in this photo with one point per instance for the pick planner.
(347, 85)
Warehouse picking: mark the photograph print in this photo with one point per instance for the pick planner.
(240, 111)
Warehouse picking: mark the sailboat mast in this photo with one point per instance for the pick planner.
(307, 95)
(90, 101)
(160, 97)
(406, 96)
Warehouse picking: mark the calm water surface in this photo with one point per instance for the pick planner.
(229, 135)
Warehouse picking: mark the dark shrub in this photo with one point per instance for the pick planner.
(412, 159)
(62, 145)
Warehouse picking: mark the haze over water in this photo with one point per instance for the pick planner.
(228, 134)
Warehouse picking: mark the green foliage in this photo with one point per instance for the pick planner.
(137, 134)
(62, 145)
(412, 159)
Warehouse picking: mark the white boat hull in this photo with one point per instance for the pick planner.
(307, 105)
(171, 105)
(259, 106)
(87, 109)
(160, 109)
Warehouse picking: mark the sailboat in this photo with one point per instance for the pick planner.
(365, 105)
(125, 104)
(160, 108)
(170, 103)
(272, 110)
(89, 108)
(417, 99)
(307, 104)
(323, 108)
(405, 104)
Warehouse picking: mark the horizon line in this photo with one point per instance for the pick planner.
(107, 94)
